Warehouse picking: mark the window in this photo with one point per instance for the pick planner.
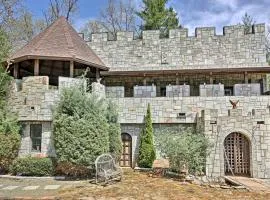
(163, 91)
(228, 91)
(36, 134)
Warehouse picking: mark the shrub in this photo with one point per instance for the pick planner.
(81, 130)
(185, 150)
(147, 153)
(9, 145)
(9, 127)
(72, 170)
(31, 166)
(114, 131)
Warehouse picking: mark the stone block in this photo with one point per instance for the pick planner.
(253, 89)
(212, 90)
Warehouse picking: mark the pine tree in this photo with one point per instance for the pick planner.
(115, 147)
(147, 153)
(156, 16)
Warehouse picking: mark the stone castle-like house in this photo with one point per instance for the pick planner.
(190, 81)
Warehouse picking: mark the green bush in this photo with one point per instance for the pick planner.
(9, 145)
(114, 131)
(81, 130)
(185, 150)
(32, 166)
(147, 153)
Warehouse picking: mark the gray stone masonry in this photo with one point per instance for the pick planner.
(253, 89)
(177, 91)
(145, 91)
(115, 92)
(98, 89)
(47, 147)
(212, 90)
(70, 82)
(238, 121)
(205, 50)
(33, 101)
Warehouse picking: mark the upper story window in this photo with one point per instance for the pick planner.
(36, 135)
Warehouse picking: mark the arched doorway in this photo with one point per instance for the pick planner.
(126, 157)
(237, 155)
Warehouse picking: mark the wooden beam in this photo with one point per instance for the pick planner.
(36, 67)
(71, 69)
(16, 71)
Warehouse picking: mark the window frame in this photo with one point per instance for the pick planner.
(37, 139)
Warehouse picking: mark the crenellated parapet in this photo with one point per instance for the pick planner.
(180, 51)
(181, 33)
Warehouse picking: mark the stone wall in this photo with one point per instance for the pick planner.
(205, 50)
(247, 89)
(166, 110)
(47, 147)
(145, 91)
(212, 90)
(177, 91)
(115, 92)
(237, 121)
(32, 99)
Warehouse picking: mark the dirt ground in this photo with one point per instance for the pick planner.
(136, 185)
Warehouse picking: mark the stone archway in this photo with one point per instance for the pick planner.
(126, 157)
(237, 154)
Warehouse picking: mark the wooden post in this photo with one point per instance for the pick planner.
(246, 77)
(211, 78)
(36, 67)
(97, 74)
(16, 71)
(144, 81)
(71, 68)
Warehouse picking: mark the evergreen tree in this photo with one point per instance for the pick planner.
(81, 130)
(9, 127)
(156, 16)
(114, 131)
(147, 153)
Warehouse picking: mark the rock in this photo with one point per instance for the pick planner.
(240, 187)
(214, 186)
(225, 187)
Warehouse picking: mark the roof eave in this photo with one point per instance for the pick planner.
(29, 57)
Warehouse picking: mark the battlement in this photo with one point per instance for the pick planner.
(200, 32)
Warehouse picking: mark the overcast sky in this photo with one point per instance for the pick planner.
(192, 13)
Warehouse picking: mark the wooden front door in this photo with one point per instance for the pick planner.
(237, 155)
(126, 157)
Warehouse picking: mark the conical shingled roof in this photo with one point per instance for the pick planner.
(59, 41)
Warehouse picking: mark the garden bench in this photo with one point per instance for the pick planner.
(106, 169)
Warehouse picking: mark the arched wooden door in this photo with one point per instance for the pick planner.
(237, 155)
(126, 157)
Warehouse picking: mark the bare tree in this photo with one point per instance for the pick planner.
(248, 22)
(58, 8)
(118, 15)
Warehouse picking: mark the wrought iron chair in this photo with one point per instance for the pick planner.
(106, 169)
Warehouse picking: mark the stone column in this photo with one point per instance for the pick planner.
(16, 71)
(71, 68)
(36, 67)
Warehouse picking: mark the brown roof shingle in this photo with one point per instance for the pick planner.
(59, 41)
